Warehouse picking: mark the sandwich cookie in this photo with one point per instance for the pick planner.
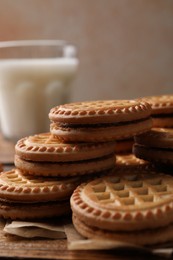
(100, 121)
(23, 196)
(135, 207)
(45, 155)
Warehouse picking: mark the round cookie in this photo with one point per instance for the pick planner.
(162, 110)
(124, 206)
(17, 187)
(65, 169)
(100, 121)
(31, 197)
(155, 146)
(34, 210)
(48, 148)
(146, 237)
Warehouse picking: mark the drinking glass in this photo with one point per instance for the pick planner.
(35, 75)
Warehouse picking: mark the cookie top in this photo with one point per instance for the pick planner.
(156, 137)
(127, 200)
(46, 147)
(160, 104)
(15, 186)
(130, 161)
(101, 111)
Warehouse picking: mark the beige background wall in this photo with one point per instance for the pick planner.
(125, 46)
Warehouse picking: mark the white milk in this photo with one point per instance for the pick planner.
(29, 88)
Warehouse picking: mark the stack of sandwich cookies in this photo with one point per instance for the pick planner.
(47, 172)
(81, 144)
(100, 121)
(45, 155)
(134, 207)
(31, 197)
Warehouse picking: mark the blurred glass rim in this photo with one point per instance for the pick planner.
(5, 44)
(66, 48)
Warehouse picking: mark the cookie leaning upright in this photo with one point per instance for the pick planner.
(162, 110)
(100, 121)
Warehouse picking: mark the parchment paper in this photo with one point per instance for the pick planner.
(35, 229)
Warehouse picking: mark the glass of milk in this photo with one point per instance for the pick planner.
(35, 76)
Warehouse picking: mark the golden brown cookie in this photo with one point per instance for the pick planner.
(15, 186)
(162, 110)
(24, 196)
(146, 237)
(155, 146)
(100, 121)
(48, 148)
(130, 161)
(65, 169)
(133, 203)
(33, 210)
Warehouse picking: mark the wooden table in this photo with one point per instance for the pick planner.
(13, 247)
(16, 248)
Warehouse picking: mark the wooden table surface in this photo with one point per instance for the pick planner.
(13, 247)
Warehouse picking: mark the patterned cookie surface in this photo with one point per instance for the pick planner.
(130, 161)
(15, 186)
(161, 104)
(103, 111)
(162, 110)
(125, 201)
(46, 147)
